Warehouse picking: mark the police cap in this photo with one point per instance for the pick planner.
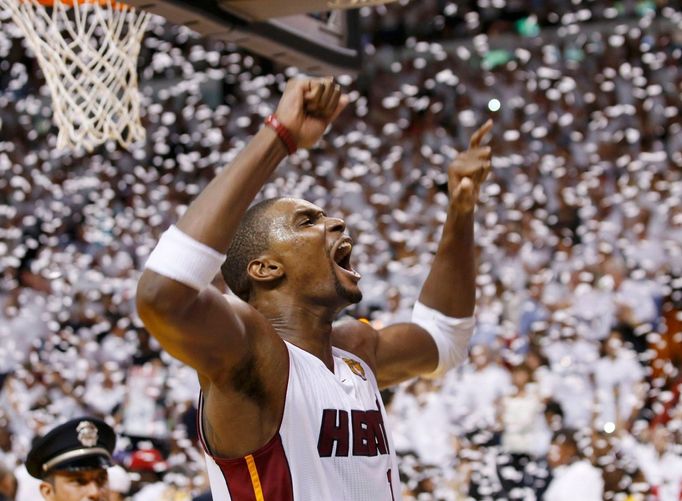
(80, 444)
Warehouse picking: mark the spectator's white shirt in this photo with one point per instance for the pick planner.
(21, 327)
(648, 254)
(479, 393)
(525, 429)
(576, 356)
(609, 229)
(545, 379)
(638, 296)
(575, 393)
(421, 423)
(488, 322)
(101, 399)
(534, 255)
(117, 349)
(429, 430)
(152, 492)
(16, 400)
(183, 384)
(671, 243)
(142, 413)
(664, 473)
(116, 263)
(399, 411)
(595, 309)
(555, 293)
(18, 397)
(28, 488)
(119, 479)
(572, 364)
(620, 374)
(579, 480)
(64, 405)
(8, 459)
(512, 273)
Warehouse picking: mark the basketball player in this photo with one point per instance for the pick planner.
(290, 406)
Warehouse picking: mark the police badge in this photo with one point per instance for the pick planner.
(87, 433)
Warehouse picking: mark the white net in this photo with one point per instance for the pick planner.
(88, 54)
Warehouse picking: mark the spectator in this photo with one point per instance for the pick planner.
(8, 484)
(661, 463)
(524, 438)
(619, 382)
(119, 483)
(573, 477)
(482, 385)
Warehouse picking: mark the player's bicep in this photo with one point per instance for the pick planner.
(404, 351)
(207, 332)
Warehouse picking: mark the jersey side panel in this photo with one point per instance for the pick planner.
(261, 476)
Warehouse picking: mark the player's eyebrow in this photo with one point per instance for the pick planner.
(309, 211)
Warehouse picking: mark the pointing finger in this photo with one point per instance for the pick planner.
(480, 133)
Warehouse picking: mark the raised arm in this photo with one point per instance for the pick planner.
(192, 320)
(447, 299)
(450, 286)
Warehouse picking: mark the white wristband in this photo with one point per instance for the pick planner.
(451, 336)
(180, 257)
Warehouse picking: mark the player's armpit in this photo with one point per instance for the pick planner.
(211, 333)
(404, 351)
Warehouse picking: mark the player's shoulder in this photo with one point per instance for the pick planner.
(356, 337)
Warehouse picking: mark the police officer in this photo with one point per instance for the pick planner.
(71, 461)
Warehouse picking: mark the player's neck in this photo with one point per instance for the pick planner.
(307, 326)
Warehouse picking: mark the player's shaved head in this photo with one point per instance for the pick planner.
(251, 239)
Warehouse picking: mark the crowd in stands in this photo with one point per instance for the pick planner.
(574, 375)
(444, 21)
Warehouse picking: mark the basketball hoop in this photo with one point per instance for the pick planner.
(88, 52)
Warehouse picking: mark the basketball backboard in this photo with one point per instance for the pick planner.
(301, 33)
(93, 82)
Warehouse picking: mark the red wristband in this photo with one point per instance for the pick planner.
(283, 133)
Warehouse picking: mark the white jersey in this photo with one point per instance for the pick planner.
(332, 444)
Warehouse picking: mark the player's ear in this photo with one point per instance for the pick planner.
(265, 269)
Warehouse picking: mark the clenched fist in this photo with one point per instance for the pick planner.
(308, 106)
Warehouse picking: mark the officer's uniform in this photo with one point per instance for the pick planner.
(80, 444)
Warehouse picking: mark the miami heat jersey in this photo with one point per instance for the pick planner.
(332, 445)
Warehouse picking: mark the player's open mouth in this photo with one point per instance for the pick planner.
(341, 256)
